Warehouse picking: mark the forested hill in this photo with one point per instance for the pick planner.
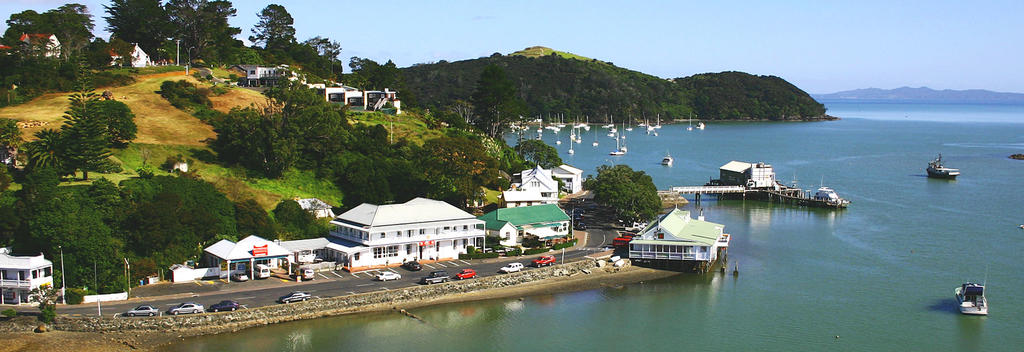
(556, 82)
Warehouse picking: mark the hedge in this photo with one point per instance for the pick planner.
(564, 245)
(75, 295)
(535, 251)
(478, 255)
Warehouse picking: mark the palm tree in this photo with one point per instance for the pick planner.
(45, 151)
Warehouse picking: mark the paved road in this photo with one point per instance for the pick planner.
(327, 284)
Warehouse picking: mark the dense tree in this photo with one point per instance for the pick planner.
(84, 132)
(251, 219)
(631, 193)
(495, 100)
(10, 139)
(203, 28)
(72, 24)
(119, 122)
(274, 29)
(539, 153)
(295, 222)
(456, 167)
(138, 21)
(46, 151)
(328, 51)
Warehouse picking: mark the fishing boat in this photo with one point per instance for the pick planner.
(971, 299)
(667, 160)
(830, 197)
(937, 170)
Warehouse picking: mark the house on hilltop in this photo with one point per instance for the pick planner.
(138, 58)
(317, 207)
(44, 44)
(263, 76)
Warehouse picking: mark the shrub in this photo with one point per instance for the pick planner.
(145, 172)
(536, 250)
(478, 255)
(9, 313)
(47, 313)
(75, 295)
(470, 250)
(564, 245)
(515, 252)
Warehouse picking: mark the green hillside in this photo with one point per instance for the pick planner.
(551, 82)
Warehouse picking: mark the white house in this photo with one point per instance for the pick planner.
(317, 207)
(350, 96)
(256, 75)
(571, 177)
(536, 187)
(511, 225)
(420, 229)
(242, 256)
(752, 175)
(21, 274)
(43, 43)
(675, 238)
(139, 58)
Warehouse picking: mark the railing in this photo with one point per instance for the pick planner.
(8, 283)
(708, 189)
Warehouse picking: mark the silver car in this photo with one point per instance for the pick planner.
(143, 310)
(186, 308)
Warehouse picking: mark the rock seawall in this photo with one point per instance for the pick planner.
(245, 318)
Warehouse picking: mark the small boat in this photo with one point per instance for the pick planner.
(937, 170)
(971, 299)
(700, 125)
(830, 197)
(667, 160)
(619, 150)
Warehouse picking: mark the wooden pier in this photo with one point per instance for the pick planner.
(780, 194)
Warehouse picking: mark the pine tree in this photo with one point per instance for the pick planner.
(84, 130)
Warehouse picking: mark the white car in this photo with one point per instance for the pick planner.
(388, 275)
(511, 268)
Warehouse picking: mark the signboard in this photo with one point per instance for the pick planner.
(426, 243)
(259, 250)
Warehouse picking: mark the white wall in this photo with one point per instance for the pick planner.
(187, 274)
(105, 298)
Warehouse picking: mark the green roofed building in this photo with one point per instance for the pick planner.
(547, 222)
(675, 238)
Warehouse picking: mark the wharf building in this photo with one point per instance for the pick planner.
(677, 241)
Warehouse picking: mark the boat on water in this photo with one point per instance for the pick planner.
(667, 160)
(830, 197)
(937, 170)
(971, 299)
(619, 149)
(700, 125)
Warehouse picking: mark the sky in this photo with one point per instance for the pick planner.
(820, 46)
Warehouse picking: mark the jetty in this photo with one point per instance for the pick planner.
(757, 181)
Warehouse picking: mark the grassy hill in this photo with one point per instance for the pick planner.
(551, 81)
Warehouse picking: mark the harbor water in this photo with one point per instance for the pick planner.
(878, 276)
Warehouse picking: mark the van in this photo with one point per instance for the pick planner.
(261, 271)
(307, 274)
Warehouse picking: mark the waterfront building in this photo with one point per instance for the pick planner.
(547, 222)
(751, 175)
(421, 229)
(676, 240)
(243, 256)
(19, 275)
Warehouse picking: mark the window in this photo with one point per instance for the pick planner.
(465, 242)
(479, 226)
(35, 274)
(423, 231)
(408, 233)
(446, 228)
(385, 252)
(465, 227)
(382, 235)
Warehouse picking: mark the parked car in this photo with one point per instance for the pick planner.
(511, 268)
(294, 296)
(186, 308)
(388, 275)
(412, 266)
(261, 271)
(240, 277)
(225, 305)
(466, 274)
(143, 310)
(580, 226)
(435, 277)
(544, 260)
(304, 273)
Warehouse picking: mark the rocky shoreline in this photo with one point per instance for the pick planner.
(96, 334)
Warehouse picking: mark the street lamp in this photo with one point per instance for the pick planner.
(177, 52)
(63, 284)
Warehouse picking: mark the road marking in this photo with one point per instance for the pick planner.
(322, 275)
(467, 263)
(336, 274)
(198, 283)
(223, 280)
(351, 293)
(283, 280)
(452, 263)
(392, 270)
(246, 297)
(353, 274)
(429, 266)
(385, 289)
(210, 282)
(363, 285)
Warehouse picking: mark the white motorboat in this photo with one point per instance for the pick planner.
(667, 160)
(971, 299)
(700, 125)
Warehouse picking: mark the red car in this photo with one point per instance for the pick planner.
(466, 274)
(545, 260)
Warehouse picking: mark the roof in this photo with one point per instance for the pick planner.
(227, 250)
(35, 36)
(522, 196)
(312, 204)
(520, 216)
(345, 246)
(736, 166)
(547, 184)
(5, 47)
(566, 169)
(679, 227)
(419, 210)
(305, 245)
(8, 261)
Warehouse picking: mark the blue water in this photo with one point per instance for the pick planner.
(880, 274)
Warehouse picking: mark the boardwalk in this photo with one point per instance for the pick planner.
(708, 189)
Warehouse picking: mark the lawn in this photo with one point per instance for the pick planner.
(407, 125)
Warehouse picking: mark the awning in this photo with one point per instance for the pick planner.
(546, 233)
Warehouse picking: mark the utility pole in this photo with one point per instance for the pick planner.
(127, 279)
(63, 284)
(177, 52)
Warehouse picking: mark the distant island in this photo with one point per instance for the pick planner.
(925, 94)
